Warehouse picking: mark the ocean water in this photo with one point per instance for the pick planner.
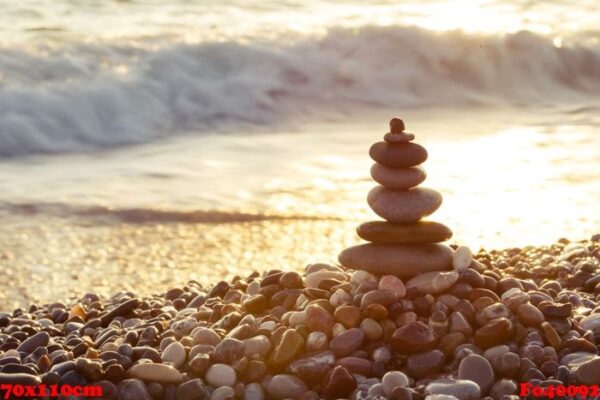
(77, 75)
(119, 115)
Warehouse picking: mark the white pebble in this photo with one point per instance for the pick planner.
(301, 302)
(340, 298)
(316, 341)
(220, 375)
(223, 393)
(254, 391)
(376, 390)
(337, 329)
(253, 288)
(392, 380)
(297, 318)
(175, 354)
(361, 276)
(462, 258)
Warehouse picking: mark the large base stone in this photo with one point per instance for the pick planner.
(404, 261)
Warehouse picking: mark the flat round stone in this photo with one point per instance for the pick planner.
(397, 178)
(417, 232)
(398, 155)
(403, 261)
(403, 206)
(403, 137)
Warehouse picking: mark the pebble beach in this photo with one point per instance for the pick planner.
(500, 317)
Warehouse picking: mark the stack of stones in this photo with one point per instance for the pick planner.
(403, 245)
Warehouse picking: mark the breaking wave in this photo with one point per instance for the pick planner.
(84, 96)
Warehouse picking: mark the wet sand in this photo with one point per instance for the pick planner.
(44, 259)
(54, 259)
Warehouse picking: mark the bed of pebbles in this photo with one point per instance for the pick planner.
(499, 318)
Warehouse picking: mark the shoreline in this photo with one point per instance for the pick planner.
(46, 259)
(514, 315)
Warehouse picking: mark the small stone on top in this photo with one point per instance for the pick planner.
(396, 125)
(397, 134)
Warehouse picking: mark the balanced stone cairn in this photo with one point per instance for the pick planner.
(403, 245)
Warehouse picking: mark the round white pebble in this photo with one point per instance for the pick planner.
(392, 380)
(220, 375)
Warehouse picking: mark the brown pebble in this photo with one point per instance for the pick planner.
(481, 292)
(318, 319)
(414, 337)
(376, 311)
(291, 280)
(397, 125)
(255, 304)
(347, 342)
(529, 315)
(493, 333)
(349, 316)
(338, 383)
(289, 347)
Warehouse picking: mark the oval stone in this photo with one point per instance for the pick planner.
(40, 339)
(286, 386)
(591, 322)
(318, 319)
(461, 389)
(152, 372)
(347, 342)
(588, 373)
(357, 365)
(403, 206)
(398, 178)
(398, 155)
(425, 364)
(477, 369)
(175, 354)
(493, 333)
(418, 232)
(403, 261)
(221, 375)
